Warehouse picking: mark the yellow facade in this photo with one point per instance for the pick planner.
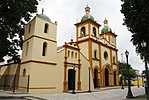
(51, 69)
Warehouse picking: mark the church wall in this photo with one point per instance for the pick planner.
(27, 51)
(84, 49)
(112, 40)
(72, 58)
(38, 49)
(103, 49)
(42, 77)
(3, 69)
(39, 29)
(23, 79)
(60, 70)
(29, 29)
(114, 63)
(85, 74)
(95, 47)
(13, 68)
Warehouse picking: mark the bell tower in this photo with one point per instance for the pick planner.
(88, 27)
(108, 35)
(39, 54)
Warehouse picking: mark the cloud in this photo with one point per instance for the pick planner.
(66, 13)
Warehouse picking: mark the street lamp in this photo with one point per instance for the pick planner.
(89, 88)
(144, 44)
(122, 81)
(73, 91)
(129, 94)
(142, 81)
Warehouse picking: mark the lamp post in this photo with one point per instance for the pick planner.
(142, 81)
(144, 44)
(129, 94)
(89, 88)
(121, 77)
(122, 82)
(73, 91)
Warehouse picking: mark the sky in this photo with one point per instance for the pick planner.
(69, 12)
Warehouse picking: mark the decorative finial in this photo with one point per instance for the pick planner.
(105, 22)
(42, 10)
(87, 9)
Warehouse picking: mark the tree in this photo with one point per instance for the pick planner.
(123, 70)
(136, 18)
(13, 16)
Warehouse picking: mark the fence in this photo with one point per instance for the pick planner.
(11, 83)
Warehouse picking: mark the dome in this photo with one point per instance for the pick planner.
(87, 15)
(106, 28)
(44, 17)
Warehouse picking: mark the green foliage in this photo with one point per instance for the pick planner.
(136, 13)
(13, 15)
(123, 71)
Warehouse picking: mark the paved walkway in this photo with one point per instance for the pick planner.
(102, 94)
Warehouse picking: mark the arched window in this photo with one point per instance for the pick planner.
(24, 72)
(95, 53)
(46, 28)
(68, 53)
(27, 46)
(114, 59)
(29, 28)
(44, 51)
(76, 55)
(72, 54)
(94, 31)
(83, 31)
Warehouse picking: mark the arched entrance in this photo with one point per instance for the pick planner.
(95, 78)
(106, 77)
(71, 79)
(114, 77)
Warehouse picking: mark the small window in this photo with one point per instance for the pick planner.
(83, 31)
(72, 54)
(68, 53)
(105, 55)
(76, 55)
(24, 72)
(114, 59)
(27, 47)
(95, 53)
(44, 51)
(46, 28)
(94, 31)
(29, 28)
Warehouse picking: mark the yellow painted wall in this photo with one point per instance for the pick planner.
(84, 74)
(104, 61)
(141, 83)
(84, 49)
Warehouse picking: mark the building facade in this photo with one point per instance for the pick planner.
(60, 69)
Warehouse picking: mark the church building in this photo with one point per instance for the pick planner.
(89, 62)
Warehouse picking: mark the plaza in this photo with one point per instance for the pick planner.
(114, 93)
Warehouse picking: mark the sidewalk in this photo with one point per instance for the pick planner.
(114, 93)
